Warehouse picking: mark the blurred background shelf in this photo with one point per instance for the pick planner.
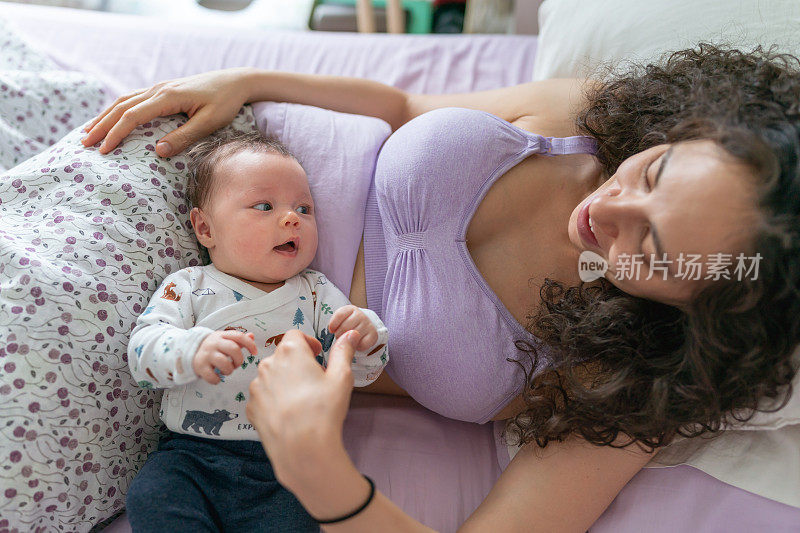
(410, 16)
(420, 16)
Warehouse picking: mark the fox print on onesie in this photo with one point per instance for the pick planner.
(196, 301)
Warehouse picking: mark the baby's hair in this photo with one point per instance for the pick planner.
(210, 152)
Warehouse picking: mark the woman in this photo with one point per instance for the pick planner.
(698, 157)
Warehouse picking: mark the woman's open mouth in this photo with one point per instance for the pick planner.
(287, 248)
(585, 230)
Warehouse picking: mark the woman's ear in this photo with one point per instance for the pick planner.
(202, 227)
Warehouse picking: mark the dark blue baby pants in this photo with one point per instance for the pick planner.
(196, 485)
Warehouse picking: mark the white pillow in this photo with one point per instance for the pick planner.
(578, 35)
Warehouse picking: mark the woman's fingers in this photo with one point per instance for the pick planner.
(314, 344)
(141, 111)
(341, 357)
(131, 112)
(210, 100)
(108, 110)
(297, 407)
(105, 122)
(295, 342)
(114, 104)
(200, 125)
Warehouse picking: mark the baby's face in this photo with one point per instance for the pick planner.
(261, 220)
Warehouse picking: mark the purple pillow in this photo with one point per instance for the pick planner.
(338, 152)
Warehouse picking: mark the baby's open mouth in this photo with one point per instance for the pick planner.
(288, 246)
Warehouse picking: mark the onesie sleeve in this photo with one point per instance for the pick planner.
(327, 298)
(165, 340)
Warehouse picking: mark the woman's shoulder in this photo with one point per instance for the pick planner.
(547, 107)
(552, 107)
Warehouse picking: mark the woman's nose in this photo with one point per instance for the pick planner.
(290, 218)
(615, 209)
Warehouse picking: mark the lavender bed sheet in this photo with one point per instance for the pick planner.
(130, 52)
(436, 469)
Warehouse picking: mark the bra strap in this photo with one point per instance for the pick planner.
(578, 144)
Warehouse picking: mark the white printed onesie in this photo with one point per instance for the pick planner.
(195, 301)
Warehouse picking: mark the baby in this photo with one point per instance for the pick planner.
(253, 212)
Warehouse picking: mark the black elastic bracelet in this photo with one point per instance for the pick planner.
(351, 515)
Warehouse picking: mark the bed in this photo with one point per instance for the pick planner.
(435, 468)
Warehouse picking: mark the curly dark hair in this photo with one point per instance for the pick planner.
(619, 369)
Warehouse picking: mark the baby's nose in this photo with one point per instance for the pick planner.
(290, 218)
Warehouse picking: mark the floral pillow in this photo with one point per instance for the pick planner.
(84, 240)
(19, 54)
(39, 103)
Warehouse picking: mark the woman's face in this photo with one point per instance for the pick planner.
(662, 209)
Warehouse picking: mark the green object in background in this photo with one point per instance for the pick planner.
(420, 19)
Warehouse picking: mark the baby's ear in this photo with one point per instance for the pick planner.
(201, 226)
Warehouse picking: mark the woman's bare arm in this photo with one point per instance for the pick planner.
(549, 105)
(212, 99)
(298, 409)
(366, 97)
(562, 488)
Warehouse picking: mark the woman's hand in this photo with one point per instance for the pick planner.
(211, 100)
(298, 407)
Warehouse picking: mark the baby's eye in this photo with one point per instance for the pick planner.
(304, 209)
(266, 206)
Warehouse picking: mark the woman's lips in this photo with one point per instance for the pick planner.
(584, 230)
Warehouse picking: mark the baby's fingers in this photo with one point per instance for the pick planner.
(244, 340)
(232, 350)
(208, 375)
(355, 321)
(222, 362)
(341, 314)
(368, 337)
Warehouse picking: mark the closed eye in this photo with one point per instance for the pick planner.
(646, 232)
(645, 256)
(657, 244)
(645, 175)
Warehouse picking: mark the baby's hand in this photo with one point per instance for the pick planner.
(222, 350)
(350, 317)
